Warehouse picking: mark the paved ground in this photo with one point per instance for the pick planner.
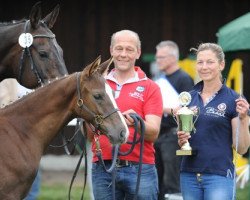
(59, 163)
(60, 169)
(61, 177)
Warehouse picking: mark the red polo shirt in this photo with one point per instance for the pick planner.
(144, 97)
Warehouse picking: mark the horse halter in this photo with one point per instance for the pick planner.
(26, 51)
(97, 118)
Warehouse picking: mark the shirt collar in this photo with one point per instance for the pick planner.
(139, 75)
(199, 86)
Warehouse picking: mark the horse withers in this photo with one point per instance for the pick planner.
(29, 125)
(29, 51)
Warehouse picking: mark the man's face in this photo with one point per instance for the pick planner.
(125, 51)
(164, 58)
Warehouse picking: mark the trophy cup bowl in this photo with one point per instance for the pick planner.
(185, 121)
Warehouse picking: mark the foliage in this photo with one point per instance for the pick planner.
(60, 192)
(243, 194)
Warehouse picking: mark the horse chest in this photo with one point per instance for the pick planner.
(18, 164)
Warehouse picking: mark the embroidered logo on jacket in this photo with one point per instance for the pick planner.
(216, 112)
(222, 106)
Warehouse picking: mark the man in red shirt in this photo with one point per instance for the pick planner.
(134, 93)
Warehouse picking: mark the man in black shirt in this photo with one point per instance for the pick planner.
(167, 163)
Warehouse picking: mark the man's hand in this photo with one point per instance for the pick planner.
(129, 120)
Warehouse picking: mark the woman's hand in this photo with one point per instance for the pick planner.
(242, 107)
(182, 137)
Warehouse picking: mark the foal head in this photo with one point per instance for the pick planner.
(36, 57)
(96, 102)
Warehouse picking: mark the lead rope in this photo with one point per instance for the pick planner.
(116, 152)
(141, 152)
(83, 153)
(236, 158)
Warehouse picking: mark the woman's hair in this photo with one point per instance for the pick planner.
(213, 47)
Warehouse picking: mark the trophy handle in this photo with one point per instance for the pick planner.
(173, 115)
(196, 117)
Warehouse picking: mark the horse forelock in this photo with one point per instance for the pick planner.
(42, 28)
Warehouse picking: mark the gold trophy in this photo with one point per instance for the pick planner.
(185, 120)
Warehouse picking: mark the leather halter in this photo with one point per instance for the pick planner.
(26, 51)
(97, 118)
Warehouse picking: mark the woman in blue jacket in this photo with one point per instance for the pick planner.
(222, 124)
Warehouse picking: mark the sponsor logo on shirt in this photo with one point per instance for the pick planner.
(138, 94)
(140, 88)
(222, 106)
(220, 112)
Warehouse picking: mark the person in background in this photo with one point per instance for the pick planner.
(174, 81)
(134, 93)
(8, 91)
(35, 188)
(222, 124)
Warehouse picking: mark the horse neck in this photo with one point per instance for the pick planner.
(9, 35)
(45, 112)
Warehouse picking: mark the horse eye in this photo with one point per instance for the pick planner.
(98, 96)
(43, 54)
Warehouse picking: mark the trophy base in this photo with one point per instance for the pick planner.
(181, 152)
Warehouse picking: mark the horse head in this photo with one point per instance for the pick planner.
(36, 56)
(97, 104)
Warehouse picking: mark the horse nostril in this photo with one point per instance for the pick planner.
(122, 134)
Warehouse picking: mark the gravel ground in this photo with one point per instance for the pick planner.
(61, 177)
(60, 169)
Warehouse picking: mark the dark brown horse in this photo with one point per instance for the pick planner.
(29, 51)
(29, 125)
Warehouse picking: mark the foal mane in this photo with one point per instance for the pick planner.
(20, 98)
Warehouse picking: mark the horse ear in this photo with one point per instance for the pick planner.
(50, 19)
(35, 15)
(93, 66)
(104, 67)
